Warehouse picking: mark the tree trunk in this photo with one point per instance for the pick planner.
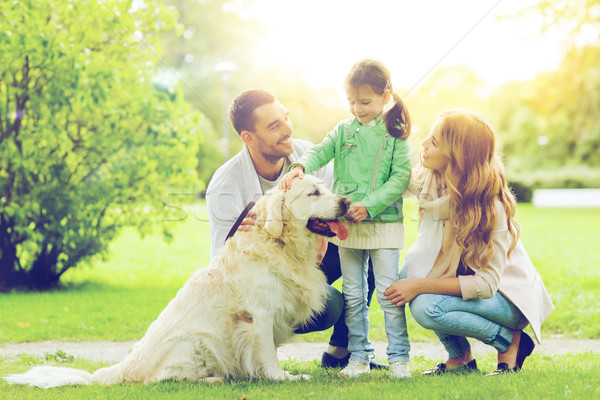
(8, 256)
(42, 275)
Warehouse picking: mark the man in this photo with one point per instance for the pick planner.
(265, 128)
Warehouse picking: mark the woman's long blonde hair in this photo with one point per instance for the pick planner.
(475, 179)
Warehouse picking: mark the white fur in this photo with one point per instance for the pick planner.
(228, 319)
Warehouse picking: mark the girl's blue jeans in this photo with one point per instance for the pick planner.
(354, 273)
(453, 320)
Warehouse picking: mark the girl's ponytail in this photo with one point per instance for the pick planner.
(377, 76)
(397, 119)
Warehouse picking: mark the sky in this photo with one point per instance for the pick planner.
(325, 37)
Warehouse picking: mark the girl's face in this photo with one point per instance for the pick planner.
(432, 156)
(365, 104)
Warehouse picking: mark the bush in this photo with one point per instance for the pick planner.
(522, 192)
(87, 144)
(570, 177)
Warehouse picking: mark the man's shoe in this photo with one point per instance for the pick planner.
(355, 369)
(441, 368)
(377, 365)
(329, 361)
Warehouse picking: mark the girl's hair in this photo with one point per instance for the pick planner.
(377, 76)
(475, 179)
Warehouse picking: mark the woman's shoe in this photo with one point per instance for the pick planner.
(441, 368)
(525, 349)
(502, 368)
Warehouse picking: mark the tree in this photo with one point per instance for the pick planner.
(213, 32)
(225, 30)
(88, 145)
(446, 87)
(552, 121)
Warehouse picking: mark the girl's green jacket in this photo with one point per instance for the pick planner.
(370, 166)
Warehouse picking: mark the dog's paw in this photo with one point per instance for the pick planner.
(301, 377)
(213, 379)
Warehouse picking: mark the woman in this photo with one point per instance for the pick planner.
(467, 274)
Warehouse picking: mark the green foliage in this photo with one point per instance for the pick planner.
(87, 144)
(522, 192)
(570, 177)
(447, 87)
(211, 32)
(59, 356)
(552, 121)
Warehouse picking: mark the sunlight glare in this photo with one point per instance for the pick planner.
(324, 38)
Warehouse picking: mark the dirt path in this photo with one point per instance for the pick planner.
(301, 351)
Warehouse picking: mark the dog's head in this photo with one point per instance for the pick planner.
(310, 203)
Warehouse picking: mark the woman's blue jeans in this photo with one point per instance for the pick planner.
(453, 320)
(355, 288)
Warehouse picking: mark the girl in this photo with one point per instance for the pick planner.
(372, 168)
(468, 274)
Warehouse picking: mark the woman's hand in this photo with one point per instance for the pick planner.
(356, 213)
(286, 182)
(403, 291)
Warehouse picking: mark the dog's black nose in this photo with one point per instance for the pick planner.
(345, 204)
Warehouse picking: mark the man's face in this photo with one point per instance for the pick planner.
(273, 131)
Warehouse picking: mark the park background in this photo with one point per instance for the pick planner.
(113, 120)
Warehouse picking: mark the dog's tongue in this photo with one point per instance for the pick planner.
(338, 228)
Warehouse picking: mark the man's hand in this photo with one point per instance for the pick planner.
(248, 222)
(403, 291)
(286, 182)
(356, 213)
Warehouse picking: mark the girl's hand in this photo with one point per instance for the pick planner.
(356, 213)
(286, 182)
(403, 291)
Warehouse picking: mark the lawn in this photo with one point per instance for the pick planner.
(545, 377)
(117, 298)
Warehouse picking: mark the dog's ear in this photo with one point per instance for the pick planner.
(274, 223)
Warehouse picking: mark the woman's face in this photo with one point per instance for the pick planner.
(432, 156)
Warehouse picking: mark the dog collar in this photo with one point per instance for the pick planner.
(239, 220)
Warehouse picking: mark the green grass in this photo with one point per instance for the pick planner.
(115, 299)
(118, 298)
(543, 377)
(564, 245)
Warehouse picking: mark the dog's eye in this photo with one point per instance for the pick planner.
(315, 193)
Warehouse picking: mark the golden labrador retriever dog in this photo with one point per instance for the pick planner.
(227, 321)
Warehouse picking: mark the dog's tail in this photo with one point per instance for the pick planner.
(47, 377)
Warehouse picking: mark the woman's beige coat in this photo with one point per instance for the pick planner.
(514, 276)
(436, 254)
